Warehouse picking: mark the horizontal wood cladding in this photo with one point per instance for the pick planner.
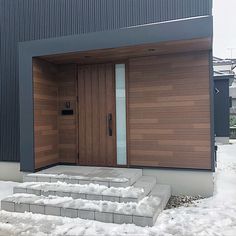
(55, 136)
(45, 114)
(169, 111)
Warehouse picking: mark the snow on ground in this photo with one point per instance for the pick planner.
(214, 216)
(6, 188)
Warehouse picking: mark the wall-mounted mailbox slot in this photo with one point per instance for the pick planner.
(67, 112)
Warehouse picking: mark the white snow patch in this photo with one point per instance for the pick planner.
(80, 177)
(96, 189)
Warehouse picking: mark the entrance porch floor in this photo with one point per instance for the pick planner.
(117, 177)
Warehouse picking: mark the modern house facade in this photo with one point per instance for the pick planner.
(110, 83)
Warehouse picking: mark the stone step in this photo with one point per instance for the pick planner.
(143, 213)
(89, 192)
(110, 177)
(163, 192)
(146, 182)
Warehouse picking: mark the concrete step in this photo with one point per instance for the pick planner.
(89, 192)
(110, 177)
(143, 213)
(163, 192)
(146, 182)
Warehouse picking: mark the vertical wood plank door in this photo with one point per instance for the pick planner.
(97, 134)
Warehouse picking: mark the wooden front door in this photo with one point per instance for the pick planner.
(97, 135)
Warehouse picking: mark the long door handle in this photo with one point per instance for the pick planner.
(109, 120)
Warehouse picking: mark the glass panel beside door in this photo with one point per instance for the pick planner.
(120, 114)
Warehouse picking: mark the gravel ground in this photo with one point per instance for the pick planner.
(178, 201)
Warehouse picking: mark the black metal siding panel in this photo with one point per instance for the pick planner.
(222, 106)
(24, 20)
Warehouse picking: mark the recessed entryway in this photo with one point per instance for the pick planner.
(75, 111)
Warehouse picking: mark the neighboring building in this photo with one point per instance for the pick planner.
(227, 68)
(224, 66)
(232, 92)
(223, 82)
(109, 83)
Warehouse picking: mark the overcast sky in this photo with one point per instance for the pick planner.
(224, 12)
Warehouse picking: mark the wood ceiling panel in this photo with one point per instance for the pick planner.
(114, 54)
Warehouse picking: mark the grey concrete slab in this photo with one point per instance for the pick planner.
(78, 195)
(146, 183)
(72, 181)
(104, 217)
(43, 179)
(110, 198)
(105, 183)
(123, 219)
(69, 212)
(143, 221)
(96, 174)
(84, 181)
(93, 197)
(55, 180)
(19, 190)
(119, 184)
(62, 194)
(163, 192)
(38, 209)
(84, 214)
(7, 206)
(128, 199)
(134, 178)
(28, 178)
(33, 191)
(22, 207)
(47, 193)
(52, 210)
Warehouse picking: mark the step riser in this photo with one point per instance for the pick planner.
(75, 181)
(77, 195)
(111, 177)
(106, 217)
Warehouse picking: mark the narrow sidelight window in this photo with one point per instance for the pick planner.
(120, 114)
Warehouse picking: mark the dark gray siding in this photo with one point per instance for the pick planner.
(24, 20)
(222, 106)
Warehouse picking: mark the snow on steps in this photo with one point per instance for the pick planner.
(134, 193)
(143, 213)
(112, 195)
(88, 191)
(110, 177)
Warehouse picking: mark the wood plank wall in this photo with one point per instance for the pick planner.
(45, 113)
(68, 146)
(55, 135)
(169, 111)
